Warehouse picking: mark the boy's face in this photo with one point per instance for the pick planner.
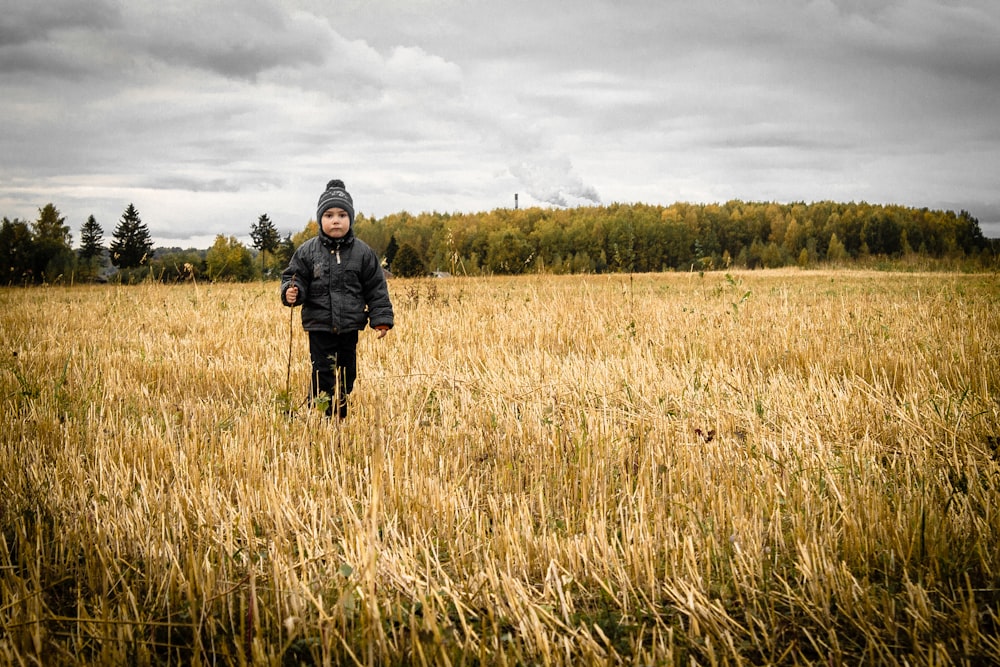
(336, 222)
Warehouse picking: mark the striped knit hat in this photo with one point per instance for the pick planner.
(335, 196)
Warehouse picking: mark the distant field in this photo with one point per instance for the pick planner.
(745, 468)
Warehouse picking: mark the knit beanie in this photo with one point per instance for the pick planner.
(335, 196)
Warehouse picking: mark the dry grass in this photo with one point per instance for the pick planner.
(778, 467)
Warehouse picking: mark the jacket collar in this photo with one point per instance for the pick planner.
(330, 242)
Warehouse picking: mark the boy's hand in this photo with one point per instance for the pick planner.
(381, 331)
(292, 295)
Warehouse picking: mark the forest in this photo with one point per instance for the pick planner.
(616, 238)
(644, 238)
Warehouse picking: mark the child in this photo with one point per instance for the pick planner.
(337, 279)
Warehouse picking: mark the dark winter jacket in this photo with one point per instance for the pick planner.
(341, 285)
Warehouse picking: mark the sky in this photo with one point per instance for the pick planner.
(206, 115)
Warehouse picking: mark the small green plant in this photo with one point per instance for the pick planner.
(28, 389)
(737, 285)
(735, 305)
(323, 402)
(283, 402)
(31, 390)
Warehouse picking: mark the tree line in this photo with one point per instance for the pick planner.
(42, 252)
(683, 236)
(597, 239)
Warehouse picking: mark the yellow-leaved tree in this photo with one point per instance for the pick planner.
(229, 260)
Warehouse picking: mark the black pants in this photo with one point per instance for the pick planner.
(334, 360)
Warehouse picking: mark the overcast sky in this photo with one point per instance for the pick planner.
(207, 114)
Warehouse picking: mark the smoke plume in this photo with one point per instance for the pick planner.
(553, 181)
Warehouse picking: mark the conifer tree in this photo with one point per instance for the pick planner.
(390, 251)
(91, 240)
(132, 245)
(265, 237)
(91, 253)
(408, 263)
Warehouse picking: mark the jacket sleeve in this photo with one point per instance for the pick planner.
(376, 293)
(297, 272)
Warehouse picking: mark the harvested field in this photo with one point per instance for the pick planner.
(729, 468)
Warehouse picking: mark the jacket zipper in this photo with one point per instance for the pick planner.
(336, 253)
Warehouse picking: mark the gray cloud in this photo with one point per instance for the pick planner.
(25, 22)
(223, 111)
(231, 39)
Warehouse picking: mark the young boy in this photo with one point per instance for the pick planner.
(338, 281)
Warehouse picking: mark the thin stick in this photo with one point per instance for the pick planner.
(288, 373)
